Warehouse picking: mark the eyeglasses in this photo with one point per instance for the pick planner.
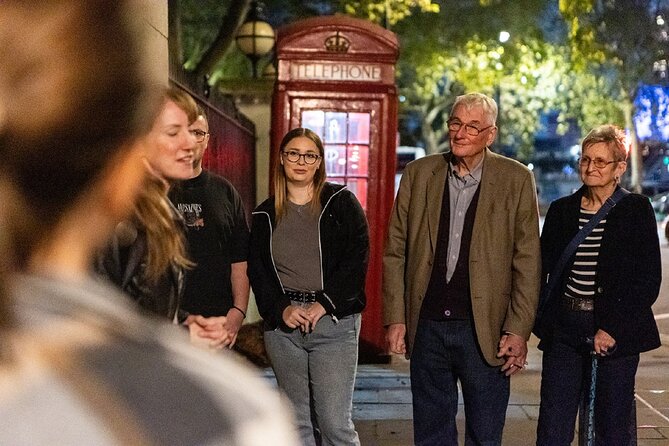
(294, 156)
(599, 163)
(199, 134)
(455, 125)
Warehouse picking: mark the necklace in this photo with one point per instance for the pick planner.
(298, 207)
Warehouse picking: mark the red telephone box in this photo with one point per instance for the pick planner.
(336, 76)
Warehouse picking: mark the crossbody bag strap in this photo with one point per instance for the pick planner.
(577, 240)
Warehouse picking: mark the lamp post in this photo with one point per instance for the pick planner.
(255, 37)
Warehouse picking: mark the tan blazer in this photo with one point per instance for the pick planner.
(504, 256)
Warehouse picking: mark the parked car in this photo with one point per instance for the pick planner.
(660, 203)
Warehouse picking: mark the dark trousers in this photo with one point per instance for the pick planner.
(565, 376)
(446, 352)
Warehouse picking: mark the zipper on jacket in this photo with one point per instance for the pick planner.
(320, 250)
(271, 253)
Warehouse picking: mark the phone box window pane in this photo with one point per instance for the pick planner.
(335, 160)
(358, 160)
(314, 120)
(335, 128)
(358, 128)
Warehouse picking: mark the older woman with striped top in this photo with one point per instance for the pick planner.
(602, 301)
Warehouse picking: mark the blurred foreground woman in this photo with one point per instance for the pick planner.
(78, 365)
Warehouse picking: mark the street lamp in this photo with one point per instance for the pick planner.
(255, 37)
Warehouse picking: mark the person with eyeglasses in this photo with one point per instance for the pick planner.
(218, 235)
(602, 300)
(461, 272)
(307, 265)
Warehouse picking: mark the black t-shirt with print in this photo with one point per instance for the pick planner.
(218, 235)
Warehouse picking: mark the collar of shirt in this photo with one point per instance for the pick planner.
(470, 178)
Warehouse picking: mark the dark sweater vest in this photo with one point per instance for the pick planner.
(450, 300)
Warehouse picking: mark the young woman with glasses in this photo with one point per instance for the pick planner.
(307, 266)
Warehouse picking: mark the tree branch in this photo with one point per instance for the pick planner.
(175, 47)
(233, 19)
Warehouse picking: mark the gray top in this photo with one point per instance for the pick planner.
(89, 369)
(461, 190)
(296, 249)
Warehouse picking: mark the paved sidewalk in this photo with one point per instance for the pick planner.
(382, 402)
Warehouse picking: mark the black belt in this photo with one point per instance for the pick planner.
(301, 296)
(578, 303)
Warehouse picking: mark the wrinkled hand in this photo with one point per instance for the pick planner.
(513, 349)
(233, 322)
(208, 331)
(395, 334)
(315, 312)
(603, 342)
(295, 316)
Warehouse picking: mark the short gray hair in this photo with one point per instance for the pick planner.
(614, 137)
(471, 100)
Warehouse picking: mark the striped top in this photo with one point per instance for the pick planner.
(581, 281)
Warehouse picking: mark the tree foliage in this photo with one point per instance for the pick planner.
(210, 26)
(450, 53)
(386, 12)
(526, 76)
(619, 41)
(584, 59)
(208, 30)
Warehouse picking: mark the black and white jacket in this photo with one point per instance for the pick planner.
(344, 244)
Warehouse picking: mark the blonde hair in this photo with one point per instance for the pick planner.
(164, 238)
(184, 101)
(165, 241)
(280, 182)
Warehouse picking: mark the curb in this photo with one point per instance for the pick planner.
(664, 339)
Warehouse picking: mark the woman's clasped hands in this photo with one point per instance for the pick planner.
(304, 317)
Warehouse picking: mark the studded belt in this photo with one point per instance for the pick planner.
(578, 303)
(301, 296)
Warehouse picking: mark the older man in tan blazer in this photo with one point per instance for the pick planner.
(461, 277)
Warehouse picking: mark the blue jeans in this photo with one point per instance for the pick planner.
(446, 352)
(317, 372)
(565, 376)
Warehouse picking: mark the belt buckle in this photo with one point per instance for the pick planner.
(578, 304)
(301, 296)
(573, 304)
